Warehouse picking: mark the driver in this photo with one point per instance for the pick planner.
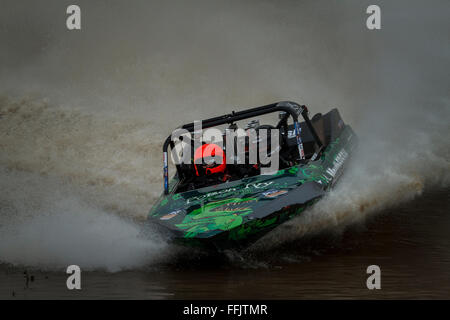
(213, 164)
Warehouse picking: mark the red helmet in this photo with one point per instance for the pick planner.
(213, 159)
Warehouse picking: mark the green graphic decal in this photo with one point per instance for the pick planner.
(251, 206)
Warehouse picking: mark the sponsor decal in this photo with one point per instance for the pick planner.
(258, 185)
(170, 215)
(211, 194)
(291, 134)
(274, 193)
